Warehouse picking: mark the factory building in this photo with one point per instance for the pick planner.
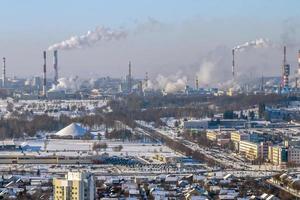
(76, 185)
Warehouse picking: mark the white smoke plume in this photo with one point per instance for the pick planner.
(258, 43)
(205, 73)
(89, 39)
(168, 84)
(67, 84)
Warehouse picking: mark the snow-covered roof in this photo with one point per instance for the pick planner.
(74, 130)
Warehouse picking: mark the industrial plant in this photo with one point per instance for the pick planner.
(150, 100)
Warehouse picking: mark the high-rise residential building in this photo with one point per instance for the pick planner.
(75, 186)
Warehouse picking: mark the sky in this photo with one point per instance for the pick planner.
(162, 37)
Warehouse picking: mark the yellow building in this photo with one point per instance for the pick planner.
(237, 136)
(75, 186)
(278, 155)
(250, 150)
(213, 135)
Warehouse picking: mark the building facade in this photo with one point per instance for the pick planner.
(253, 151)
(75, 186)
(278, 155)
(294, 155)
(236, 137)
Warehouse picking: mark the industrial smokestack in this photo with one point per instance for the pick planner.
(129, 78)
(299, 62)
(55, 67)
(233, 64)
(285, 70)
(284, 55)
(197, 83)
(262, 83)
(146, 80)
(4, 74)
(44, 76)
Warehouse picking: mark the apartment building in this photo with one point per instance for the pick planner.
(236, 137)
(278, 155)
(253, 150)
(294, 155)
(75, 186)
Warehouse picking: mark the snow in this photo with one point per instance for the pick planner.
(74, 130)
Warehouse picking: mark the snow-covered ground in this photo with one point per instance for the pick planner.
(85, 147)
(55, 108)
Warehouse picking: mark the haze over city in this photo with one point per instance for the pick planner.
(167, 37)
(150, 100)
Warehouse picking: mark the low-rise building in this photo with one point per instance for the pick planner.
(196, 124)
(213, 135)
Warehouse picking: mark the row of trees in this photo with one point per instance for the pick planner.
(18, 127)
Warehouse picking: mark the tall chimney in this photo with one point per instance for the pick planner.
(129, 78)
(262, 83)
(299, 62)
(4, 74)
(284, 55)
(146, 80)
(285, 70)
(55, 67)
(197, 83)
(233, 64)
(44, 76)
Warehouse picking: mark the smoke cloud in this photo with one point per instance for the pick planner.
(107, 34)
(89, 39)
(290, 33)
(205, 72)
(71, 84)
(168, 84)
(258, 43)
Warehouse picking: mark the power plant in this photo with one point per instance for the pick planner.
(37, 86)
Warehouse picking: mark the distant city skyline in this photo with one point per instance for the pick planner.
(164, 37)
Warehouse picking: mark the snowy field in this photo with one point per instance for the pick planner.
(85, 147)
(54, 108)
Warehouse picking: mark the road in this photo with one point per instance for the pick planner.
(228, 161)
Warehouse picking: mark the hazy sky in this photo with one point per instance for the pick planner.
(164, 36)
